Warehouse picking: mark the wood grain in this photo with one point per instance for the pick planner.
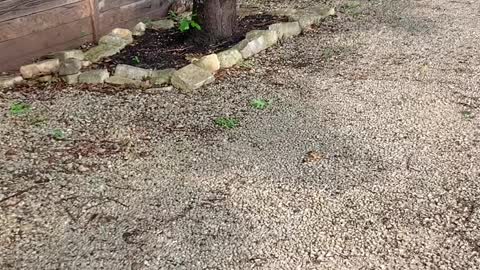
(33, 28)
(12, 64)
(37, 22)
(11, 9)
(45, 39)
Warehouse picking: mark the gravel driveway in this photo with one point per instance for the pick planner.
(368, 157)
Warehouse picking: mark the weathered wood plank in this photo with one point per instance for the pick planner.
(128, 16)
(13, 64)
(46, 39)
(37, 22)
(104, 5)
(11, 9)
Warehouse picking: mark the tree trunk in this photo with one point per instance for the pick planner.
(218, 19)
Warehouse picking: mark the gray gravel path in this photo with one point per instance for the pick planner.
(387, 96)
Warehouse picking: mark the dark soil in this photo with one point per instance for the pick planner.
(160, 49)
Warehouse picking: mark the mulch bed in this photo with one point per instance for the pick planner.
(160, 49)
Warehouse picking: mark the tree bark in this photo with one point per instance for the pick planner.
(218, 19)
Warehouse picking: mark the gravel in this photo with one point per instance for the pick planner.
(386, 95)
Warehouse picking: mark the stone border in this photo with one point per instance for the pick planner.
(68, 65)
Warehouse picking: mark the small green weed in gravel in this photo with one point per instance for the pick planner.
(20, 108)
(468, 115)
(136, 60)
(259, 104)
(227, 122)
(58, 134)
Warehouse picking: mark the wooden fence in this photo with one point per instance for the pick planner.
(33, 28)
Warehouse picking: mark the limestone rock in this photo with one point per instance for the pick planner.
(229, 58)
(116, 80)
(86, 64)
(209, 62)
(71, 79)
(161, 24)
(255, 42)
(286, 30)
(41, 68)
(191, 77)
(270, 37)
(324, 11)
(63, 55)
(94, 76)
(131, 72)
(124, 34)
(312, 16)
(9, 81)
(139, 29)
(70, 66)
(101, 51)
(161, 77)
(46, 78)
(113, 40)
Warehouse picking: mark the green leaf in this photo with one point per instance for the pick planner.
(136, 60)
(227, 123)
(195, 25)
(58, 134)
(259, 104)
(184, 25)
(20, 108)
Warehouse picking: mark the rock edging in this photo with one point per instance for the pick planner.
(68, 64)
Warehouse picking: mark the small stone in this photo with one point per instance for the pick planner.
(41, 68)
(209, 62)
(116, 80)
(94, 76)
(139, 29)
(161, 24)
(101, 51)
(70, 66)
(9, 81)
(86, 64)
(229, 58)
(113, 40)
(82, 168)
(255, 42)
(191, 77)
(286, 30)
(46, 78)
(124, 34)
(63, 55)
(71, 79)
(270, 37)
(161, 77)
(131, 72)
(324, 11)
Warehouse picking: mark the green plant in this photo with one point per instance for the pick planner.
(19, 108)
(58, 134)
(468, 115)
(136, 60)
(259, 104)
(185, 23)
(227, 122)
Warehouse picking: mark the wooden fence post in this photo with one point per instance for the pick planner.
(94, 15)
